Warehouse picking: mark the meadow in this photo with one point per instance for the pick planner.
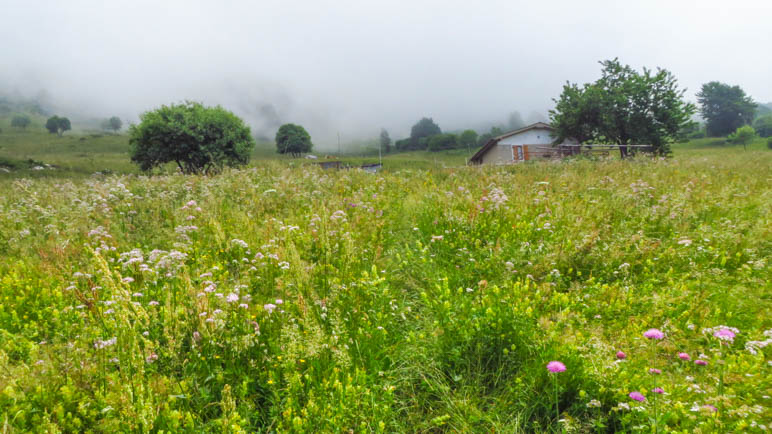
(429, 297)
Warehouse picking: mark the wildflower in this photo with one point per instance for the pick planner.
(100, 344)
(210, 320)
(725, 334)
(685, 242)
(637, 396)
(279, 301)
(196, 336)
(269, 307)
(436, 238)
(109, 311)
(700, 362)
(654, 334)
(113, 360)
(137, 294)
(658, 390)
(127, 279)
(621, 355)
(593, 403)
(146, 333)
(684, 356)
(217, 312)
(243, 305)
(151, 358)
(709, 408)
(654, 371)
(232, 298)
(153, 303)
(555, 366)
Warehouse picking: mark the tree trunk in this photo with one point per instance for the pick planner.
(623, 151)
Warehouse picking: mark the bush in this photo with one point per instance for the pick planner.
(20, 121)
(197, 138)
(441, 142)
(763, 126)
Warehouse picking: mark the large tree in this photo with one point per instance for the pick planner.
(58, 125)
(114, 123)
(725, 108)
(293, 139)
(198, 139)
(624, 107)
(424, 128)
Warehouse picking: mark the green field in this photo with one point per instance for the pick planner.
(426, 298)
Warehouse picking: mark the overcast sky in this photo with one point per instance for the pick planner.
(356, 66)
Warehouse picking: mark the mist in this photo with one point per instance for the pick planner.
(353, 67)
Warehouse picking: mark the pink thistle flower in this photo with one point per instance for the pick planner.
(653, 334)
(621, 355)
(684, 356)
(654, 371)
(637, 396)
(555, 366)
(658, 390)
(700, 362)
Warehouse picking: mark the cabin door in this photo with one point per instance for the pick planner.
(517, 153)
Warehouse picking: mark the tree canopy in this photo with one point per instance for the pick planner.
(724, 108)
(439, 142)
(198, 139)
(424, 128)
(623, 107)
(58, 125)
(293, 139)
(468, 138)
(763, 126)
(20, 121)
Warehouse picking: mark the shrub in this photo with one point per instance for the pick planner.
(197, 138)
(440, 142)
(20, 121)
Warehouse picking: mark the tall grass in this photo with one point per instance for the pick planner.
(282, 298)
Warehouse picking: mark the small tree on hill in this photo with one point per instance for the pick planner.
(58, 125)
(293, 139)
(385, 141)
(468, 138)
(114, 123)
(423, 128)
(198, 139)
(743, 136)
(20, 121)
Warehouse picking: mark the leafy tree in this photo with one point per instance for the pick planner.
(441, 142)
(763, 126)
(424, 128)
(623, 107)
(385, 141)
(743, 136)
(20, 121)
(58, 125)
(725, 108)
(468, 138)
(198, 139)
(114, 123)
(293, 139)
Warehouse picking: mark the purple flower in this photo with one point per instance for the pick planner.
(637, 396)
(555, 366)
(658, 390)
(243, 305)
(709, 408)
(654, 371)
(153, 303)
(653, 334)
(232, 298)
(684, 356)
(269, 307)
(621, 355)
(700, 362)
(724, 334)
